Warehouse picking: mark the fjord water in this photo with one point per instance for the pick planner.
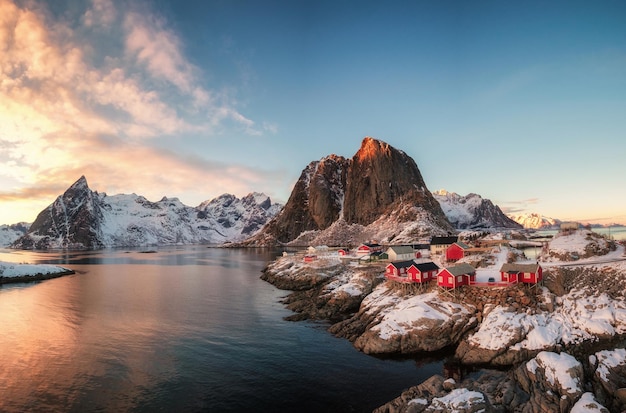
(180, 329)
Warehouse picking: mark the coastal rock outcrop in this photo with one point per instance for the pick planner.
(326, 290)
(550, 382)
(490, 391)
(390, 323)
(608, 371)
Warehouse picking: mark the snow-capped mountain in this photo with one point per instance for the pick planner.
(472, 211)
(9, 233)
(533, 220)
(82, 218)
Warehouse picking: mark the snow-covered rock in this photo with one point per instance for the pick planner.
(582, 243)
(588, 404)
(610, 375)
(389, 322)
(12, 272)
(554, 381)
(507, 338)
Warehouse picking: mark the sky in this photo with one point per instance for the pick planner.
(522, 103)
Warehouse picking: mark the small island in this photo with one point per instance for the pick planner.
(21, 273)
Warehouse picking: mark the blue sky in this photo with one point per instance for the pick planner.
(523, 104)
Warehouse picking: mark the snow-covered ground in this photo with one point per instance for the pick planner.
(405, 314)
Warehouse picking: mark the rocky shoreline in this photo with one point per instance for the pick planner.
(564, 328)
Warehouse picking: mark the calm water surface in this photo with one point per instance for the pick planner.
(183, 329)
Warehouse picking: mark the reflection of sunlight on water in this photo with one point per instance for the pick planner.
(180, 329)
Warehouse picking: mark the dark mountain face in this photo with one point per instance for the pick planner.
(73, 218)
(378, 180)
(315, 201)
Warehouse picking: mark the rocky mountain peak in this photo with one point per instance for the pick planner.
(72, 219)
(80, 184)
(371, 148)
(378, 181)
(380, 177)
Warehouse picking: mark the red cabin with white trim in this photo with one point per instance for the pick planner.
(425, 271)
(369, 248)
(456, 276)
(456, 251)
(410, 272)
(526, 273)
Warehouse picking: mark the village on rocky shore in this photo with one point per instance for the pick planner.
(555, 344)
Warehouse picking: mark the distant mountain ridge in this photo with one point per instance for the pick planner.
(472, 211)
(9, 233)
(379, 193)
(82, 218)
(532, 220)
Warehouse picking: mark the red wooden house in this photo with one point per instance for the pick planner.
(410, 272)
(310, 258)
(456, 276)
(456, 251)
(526, 273)
(398, 268)
(369, 248)
(426, 271)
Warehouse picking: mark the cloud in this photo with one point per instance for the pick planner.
(518, 207)
(159, 50)
(102, 13)
(88, 99)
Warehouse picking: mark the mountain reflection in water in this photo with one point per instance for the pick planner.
(178, 329)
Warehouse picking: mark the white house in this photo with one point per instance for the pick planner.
(400, 253)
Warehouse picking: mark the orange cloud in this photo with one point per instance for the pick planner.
(62, 116)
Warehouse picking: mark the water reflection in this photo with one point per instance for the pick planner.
(182, 329)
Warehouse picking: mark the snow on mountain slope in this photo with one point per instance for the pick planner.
(472, 211)
(9, 233)
(533, 220)
(82, 218)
